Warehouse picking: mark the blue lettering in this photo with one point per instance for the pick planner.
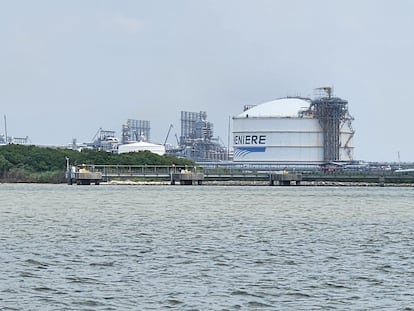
(250, 140)
(262, 139)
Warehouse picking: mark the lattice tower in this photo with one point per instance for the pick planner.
(332, 113)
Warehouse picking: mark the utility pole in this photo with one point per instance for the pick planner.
(5, 129)
(399, 160)
(228, 141)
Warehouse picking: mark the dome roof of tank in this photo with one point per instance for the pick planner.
(282, 107)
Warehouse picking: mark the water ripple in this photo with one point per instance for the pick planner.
(205, 248)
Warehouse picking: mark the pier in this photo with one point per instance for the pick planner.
(186, 175)
(83, 176)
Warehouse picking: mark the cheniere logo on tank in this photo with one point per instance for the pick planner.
(254, 143)
(250, 139)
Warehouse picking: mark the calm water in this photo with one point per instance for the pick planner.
(206, 248)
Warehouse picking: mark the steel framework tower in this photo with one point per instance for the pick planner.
(194, 125)
(196, 138)
(332, 113)
(136, 130)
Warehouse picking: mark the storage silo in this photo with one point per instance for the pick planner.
(289, 131)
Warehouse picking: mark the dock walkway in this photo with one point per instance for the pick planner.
(174, 174)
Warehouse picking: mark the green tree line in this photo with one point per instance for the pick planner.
(21, 163)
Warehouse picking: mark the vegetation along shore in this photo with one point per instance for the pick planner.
(31, 164)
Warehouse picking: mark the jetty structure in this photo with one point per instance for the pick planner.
(82, 174)
(187, 178)
(185, 175)
(285, 179)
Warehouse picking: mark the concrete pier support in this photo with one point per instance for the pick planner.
(187, 178)
(285, 179)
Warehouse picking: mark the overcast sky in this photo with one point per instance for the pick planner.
(68, 68)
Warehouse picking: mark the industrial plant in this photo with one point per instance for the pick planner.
(197, 141)
(6, 139)
(14, 140)
(295, 131)
(291, 131)
(103, 140)
(136, 130)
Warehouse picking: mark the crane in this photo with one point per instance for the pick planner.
(168, 134)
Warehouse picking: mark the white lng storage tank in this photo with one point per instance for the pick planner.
(288, 130)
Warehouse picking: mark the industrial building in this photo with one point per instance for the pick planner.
(14, 140)
(197, 141)
(136, 130)
(133, 131)
(103, 140)
(136, 137)
(295, 131)
(5, 139)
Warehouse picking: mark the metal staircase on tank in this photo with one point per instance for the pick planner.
(332, 113)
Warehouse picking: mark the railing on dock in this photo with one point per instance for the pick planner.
(134, 171)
